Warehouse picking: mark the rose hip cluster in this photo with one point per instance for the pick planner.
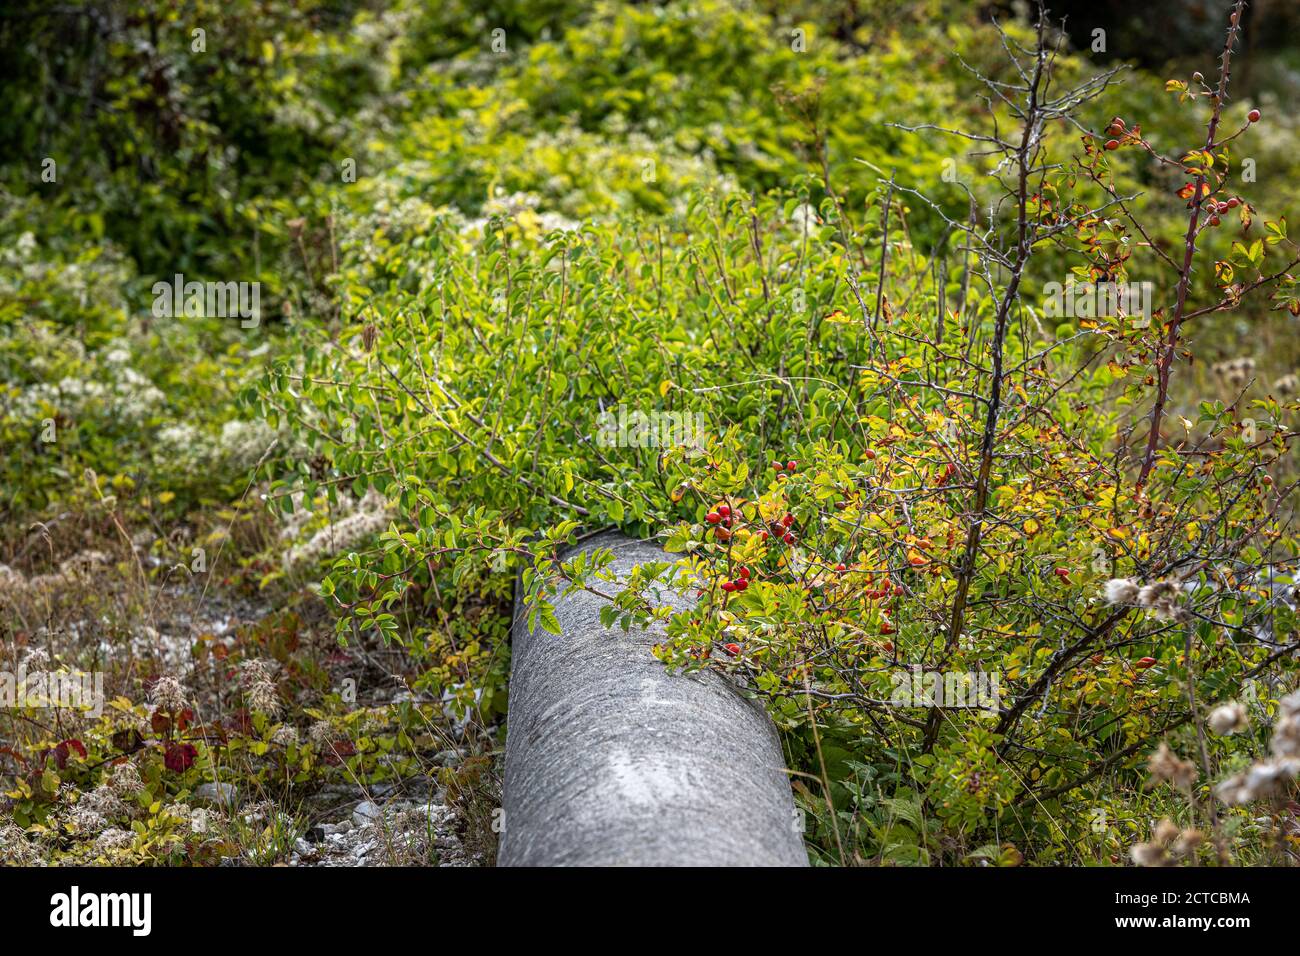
(722, 516)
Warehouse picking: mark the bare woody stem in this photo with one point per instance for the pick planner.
(988, 442)
(1170, 347)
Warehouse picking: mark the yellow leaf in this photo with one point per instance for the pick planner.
(664, 387)
(1031, 527)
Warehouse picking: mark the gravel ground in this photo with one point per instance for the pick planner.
(395, 833)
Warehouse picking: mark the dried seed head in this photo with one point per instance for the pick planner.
(167, 695)
(1149, 854)
(125, 779)
(1228, 719)
(1164, 764)
(321, 734)
(1157, 591)
(263, 698)
(1121, 591)
(1166, 832)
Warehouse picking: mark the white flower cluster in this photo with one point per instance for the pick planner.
(370, 517)
(239, 445)
(390, 212)
(521, 207)
(83, 281)
(128, 397)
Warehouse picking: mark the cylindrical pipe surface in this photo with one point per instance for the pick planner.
(612, 760)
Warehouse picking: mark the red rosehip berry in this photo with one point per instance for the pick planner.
(744, 572)
(732, 649)
(713, 517)
(742, 584)
(788, 520)
(724, 510)
(1253, 116)
(776, 466)
(791, 465)
(1234, 202)
(1145, 663)
(841, 568)
(728, 586)
(788, 538)
(1215, 220)
(1112, 144)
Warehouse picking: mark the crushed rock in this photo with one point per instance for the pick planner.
(400, 832)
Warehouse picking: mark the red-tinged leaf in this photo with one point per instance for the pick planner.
(59, 753)
(180, 757)
(338, 750)
(74, 744)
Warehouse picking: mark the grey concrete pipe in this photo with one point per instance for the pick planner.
(611, 760)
